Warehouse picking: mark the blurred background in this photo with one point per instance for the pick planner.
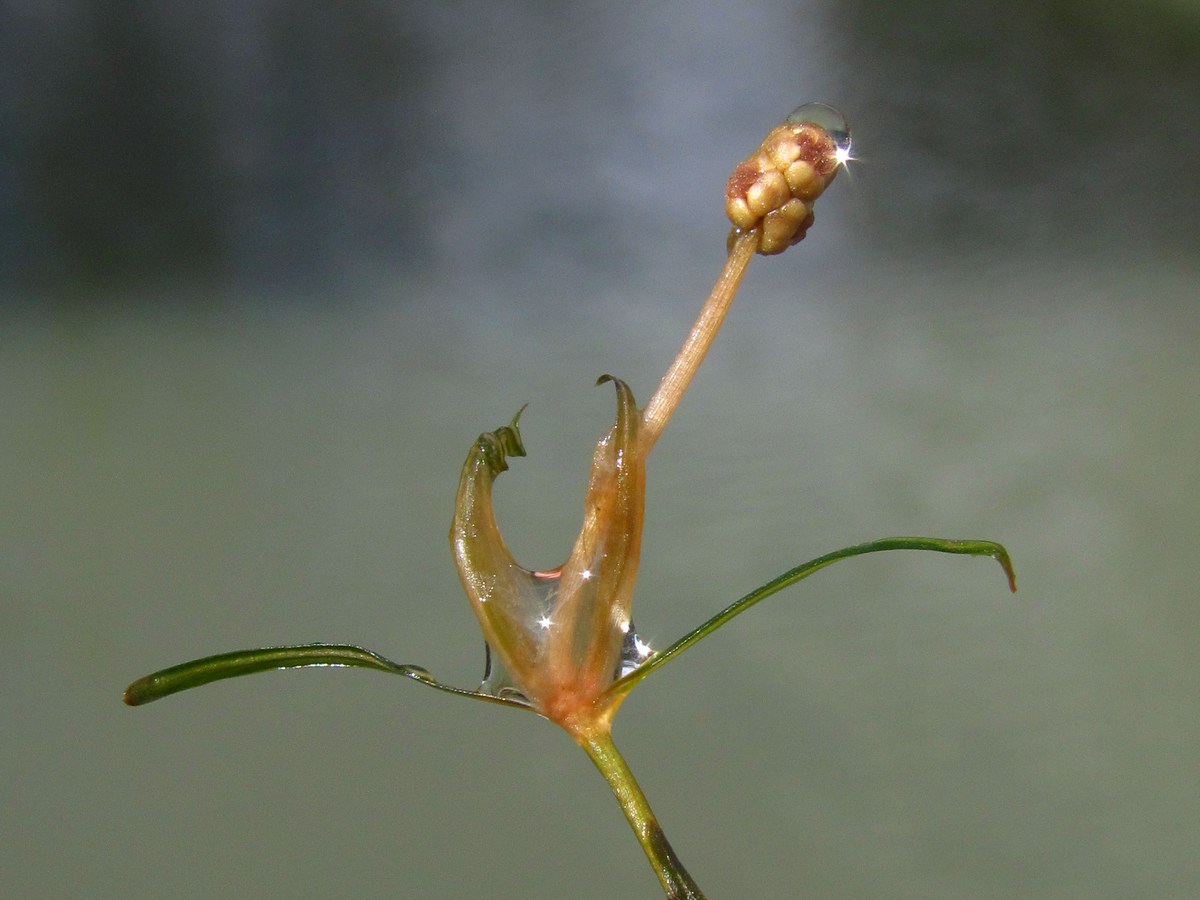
(266, 270)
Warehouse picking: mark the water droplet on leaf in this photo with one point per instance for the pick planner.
(496, 680)
(634, 652)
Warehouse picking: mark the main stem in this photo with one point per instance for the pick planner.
(691, 354)
(676, 883)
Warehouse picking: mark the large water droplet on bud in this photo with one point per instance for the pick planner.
(825, 116)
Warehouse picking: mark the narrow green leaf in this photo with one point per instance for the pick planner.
(939, 545)
(246, 662)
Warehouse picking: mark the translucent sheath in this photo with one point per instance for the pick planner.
(555, 637)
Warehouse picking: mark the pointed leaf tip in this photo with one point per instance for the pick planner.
(624, 393)
(517, 417)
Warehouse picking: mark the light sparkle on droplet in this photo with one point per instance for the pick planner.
(643, 649)
(545, 622)
(585, 574)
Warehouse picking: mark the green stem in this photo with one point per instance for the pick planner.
(676, 883)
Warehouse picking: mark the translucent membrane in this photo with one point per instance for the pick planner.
(825, 116)
(556, 639)
(497, 682)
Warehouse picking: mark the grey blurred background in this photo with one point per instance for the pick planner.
(267, 270)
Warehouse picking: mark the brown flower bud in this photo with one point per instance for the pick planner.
(773, 190)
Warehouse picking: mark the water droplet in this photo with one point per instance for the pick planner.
(418, 672)
(496, 680)
(634, 652)
(825, 116)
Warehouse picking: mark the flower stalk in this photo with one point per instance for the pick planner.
(695, 347)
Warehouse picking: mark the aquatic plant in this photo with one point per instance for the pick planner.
(562, 643)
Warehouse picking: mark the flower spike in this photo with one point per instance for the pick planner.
(772, 192)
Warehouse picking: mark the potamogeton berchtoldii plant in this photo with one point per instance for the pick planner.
(561, 643)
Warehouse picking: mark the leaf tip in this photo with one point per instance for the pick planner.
(1001, 556)
(141, 691)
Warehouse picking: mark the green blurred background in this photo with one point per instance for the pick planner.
(268, 269)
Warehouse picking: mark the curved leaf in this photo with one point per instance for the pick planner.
(246, 662)
(939, 545)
